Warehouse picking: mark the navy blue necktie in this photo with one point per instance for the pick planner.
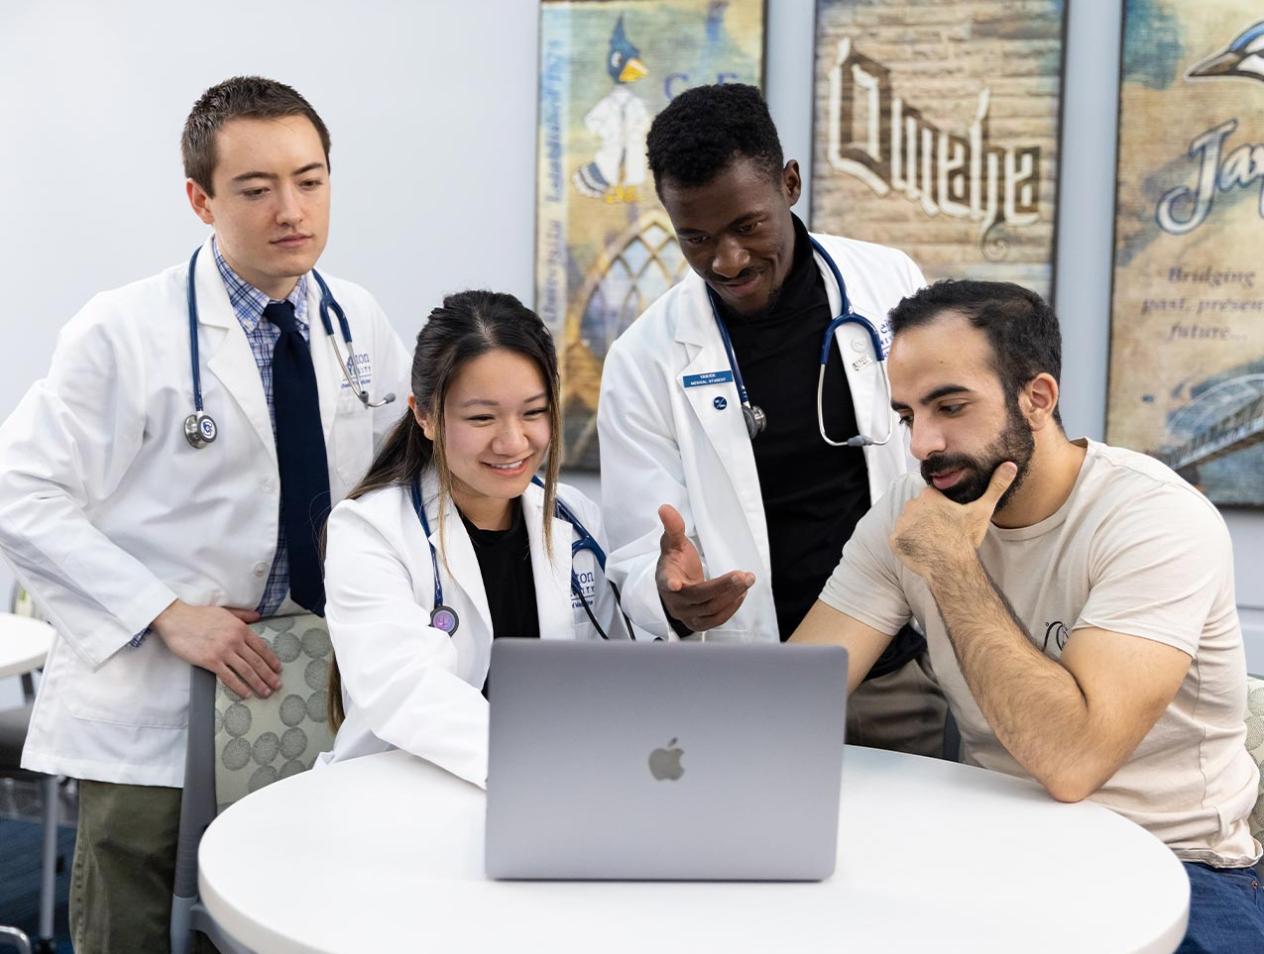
(300, 444)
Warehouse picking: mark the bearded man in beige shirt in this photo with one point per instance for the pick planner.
(1077, 598)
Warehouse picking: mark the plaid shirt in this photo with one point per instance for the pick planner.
(248, 304)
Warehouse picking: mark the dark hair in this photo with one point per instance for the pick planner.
(467, 325)
(1021, 328)
(704, 129)
(241, 97)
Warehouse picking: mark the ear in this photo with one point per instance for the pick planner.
(423, 419)
(792, 182)
(200, 201)
(1039, 400)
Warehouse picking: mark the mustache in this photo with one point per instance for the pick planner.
(743, 276)
(939, 463)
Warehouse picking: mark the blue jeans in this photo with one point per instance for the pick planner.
(1226, 911)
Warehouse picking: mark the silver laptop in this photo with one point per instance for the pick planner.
(679, 761)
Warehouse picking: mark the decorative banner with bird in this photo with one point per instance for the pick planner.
(604, 246)
(936, 131)
(1187, 319)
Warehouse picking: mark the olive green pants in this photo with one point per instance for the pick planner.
(903, 711)
(124, 870)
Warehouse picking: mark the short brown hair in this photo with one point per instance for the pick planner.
(241, 97)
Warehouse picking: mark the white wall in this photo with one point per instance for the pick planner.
(432, 110)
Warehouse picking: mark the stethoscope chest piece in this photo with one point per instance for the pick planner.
(200, 430)
(755, 418)
(444, 619)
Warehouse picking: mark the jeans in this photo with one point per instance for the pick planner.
(1226, 911)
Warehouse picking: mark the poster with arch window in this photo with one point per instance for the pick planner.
(1187, 316)
(605, 249)
(936, 130)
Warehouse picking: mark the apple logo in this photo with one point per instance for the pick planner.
(665, 762)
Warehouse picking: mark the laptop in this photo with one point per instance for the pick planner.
(664, 761)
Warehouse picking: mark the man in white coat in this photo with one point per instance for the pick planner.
(164, 486)
(730, 482)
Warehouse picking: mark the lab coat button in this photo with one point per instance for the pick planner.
(269, 486)
(858, 346)
(261, 569)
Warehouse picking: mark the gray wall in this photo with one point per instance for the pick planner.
(433, 118)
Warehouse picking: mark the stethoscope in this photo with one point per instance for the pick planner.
(200, 428)
(444, 617)
(753, 414)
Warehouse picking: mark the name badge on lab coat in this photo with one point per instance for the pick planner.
(707, 377)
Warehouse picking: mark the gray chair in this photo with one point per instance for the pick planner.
(237, 746)
(1255, 745)
(13, 727)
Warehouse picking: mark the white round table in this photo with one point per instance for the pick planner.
(386, 853)
(24, 644)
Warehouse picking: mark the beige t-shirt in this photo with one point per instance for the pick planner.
(1134, 550)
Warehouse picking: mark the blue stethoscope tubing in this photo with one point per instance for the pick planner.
(584, 541)
(199, 427)
(754, 415)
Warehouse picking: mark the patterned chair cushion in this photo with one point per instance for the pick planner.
(258, 741)
(1255, 745)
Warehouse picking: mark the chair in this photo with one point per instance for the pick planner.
(237, 746)
(1255, 745)
(13, 727)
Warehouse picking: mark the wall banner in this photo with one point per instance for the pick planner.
(1187, 322)
(936, 132)
(605, 248)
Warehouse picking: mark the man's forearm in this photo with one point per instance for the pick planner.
(1033, 704)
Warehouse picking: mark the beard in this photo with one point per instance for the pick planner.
(1014, 443)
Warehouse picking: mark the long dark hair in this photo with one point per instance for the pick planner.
(468, 324)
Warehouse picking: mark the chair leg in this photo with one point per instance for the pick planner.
(48, 868)
(12, 937)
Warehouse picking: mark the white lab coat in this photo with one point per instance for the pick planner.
(665, 443)
(406, 684)
(109, 515)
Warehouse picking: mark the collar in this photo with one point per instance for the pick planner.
(248, 302)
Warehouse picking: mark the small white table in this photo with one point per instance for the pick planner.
(386, 853)
(24, 644)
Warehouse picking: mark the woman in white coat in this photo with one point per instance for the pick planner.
(452, 494)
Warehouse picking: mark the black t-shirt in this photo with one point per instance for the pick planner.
(814, 494)
(504, 560)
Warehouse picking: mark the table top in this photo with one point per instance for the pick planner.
(24, 643)
(380, 852)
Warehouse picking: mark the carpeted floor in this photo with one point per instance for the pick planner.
(20, 875)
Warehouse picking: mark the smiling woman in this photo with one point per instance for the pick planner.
(412, 610)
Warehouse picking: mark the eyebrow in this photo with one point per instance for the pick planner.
(271, 176)
(740, 220)
(939, 392)
(484, 402)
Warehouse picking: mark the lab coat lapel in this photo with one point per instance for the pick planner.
(228, 355)
(329, 379)
(552, 576)
(724, 426)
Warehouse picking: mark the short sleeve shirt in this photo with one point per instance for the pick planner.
(1134, 550)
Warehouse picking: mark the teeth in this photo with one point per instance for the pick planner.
(513, 466)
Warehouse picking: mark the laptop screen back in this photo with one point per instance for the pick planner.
(664, 760)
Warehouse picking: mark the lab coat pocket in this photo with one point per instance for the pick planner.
(351, 452)
(113, 693)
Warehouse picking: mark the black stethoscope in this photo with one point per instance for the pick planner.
(753, 414)
(200, 428)
(444, 617)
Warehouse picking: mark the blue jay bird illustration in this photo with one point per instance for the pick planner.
(1243, 57)
(620, 120)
